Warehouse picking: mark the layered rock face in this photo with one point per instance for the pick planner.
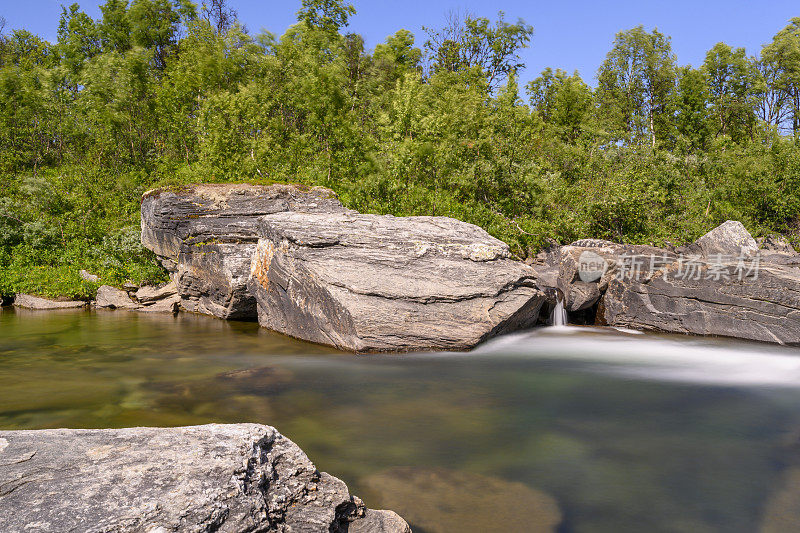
(226, 478)
(205, 235)
(720, 285)
(381, 283)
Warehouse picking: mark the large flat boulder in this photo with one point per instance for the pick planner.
(381, 283)
(205, 235)
(225, 478)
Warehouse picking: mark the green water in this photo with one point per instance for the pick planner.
(617, 443)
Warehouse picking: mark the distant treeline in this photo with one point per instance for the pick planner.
(169, 92)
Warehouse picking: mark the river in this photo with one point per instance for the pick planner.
(622, 431)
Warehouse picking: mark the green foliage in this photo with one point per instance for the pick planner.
(153, 94)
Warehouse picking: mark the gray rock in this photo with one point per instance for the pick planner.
(765, 307)
(34, 302)
(226, 478)
(205, 236)
(109, 297)
(85, 275)
(167, 305)
(728, 239)
(705, 290)
(776, 244)
(380, 283)
(580, 272)
(379, 521)
(151, 294)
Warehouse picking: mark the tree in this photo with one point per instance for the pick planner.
(561, 100)
(78, 39)
(327, 15)
(397, 56)
(692, 103)
(114, 28)
(475, 42)
(771, 100)
(219, 15)
(782, 58)
(731, 77)
(155, 24)
(637, 82)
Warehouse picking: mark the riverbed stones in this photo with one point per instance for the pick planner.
(381, 283)
(438, 500)
(205, 236)
(225, 478)
(28, 301)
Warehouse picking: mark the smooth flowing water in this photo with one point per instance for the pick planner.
(622, 431)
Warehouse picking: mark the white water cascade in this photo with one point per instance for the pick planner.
(559, 316)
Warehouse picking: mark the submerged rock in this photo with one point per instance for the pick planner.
(205, 235)
(383, 283)
(34, 302)
(444, 501)
(226, 478)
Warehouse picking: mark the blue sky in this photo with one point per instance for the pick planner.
(568, 34)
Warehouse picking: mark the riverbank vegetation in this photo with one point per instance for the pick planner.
(165, 92)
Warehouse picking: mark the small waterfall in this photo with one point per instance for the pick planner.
(559, 316)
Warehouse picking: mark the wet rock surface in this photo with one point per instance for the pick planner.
(383, 283)
(205, 235)
(226, 478)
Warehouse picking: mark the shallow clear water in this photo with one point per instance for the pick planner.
(624, 432)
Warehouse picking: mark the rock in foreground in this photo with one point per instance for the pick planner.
(226, 478)
(205, 235)
(381, 283)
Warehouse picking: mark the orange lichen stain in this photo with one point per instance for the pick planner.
(262, 260)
